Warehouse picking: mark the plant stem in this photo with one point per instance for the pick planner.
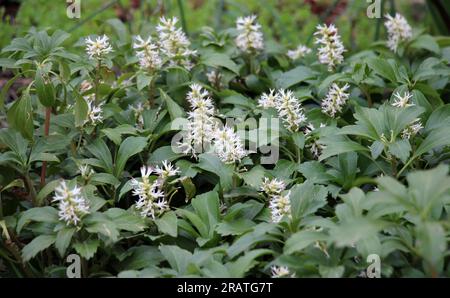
(151, 92)
(1, 207)
(394, 167)
(182, 16)
(80, 139)
(30, 187)
(368, 96)
(48, 113)
(97, 80)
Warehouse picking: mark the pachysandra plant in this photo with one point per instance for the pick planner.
(288, 163)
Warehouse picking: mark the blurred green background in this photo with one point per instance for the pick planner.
(288, 21)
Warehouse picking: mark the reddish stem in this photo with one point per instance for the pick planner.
(48, 113)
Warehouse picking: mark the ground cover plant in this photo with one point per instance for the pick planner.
(225, 154)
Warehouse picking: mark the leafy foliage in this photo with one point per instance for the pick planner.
(99, 131)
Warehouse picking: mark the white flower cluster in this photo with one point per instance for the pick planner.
(335, 100)
(331, 50)
(288, 107)
(72, 204)
(300, 52)
(314, 147)
(215, 78)
(147, 53)
(272, 186)
(98, 49)
(227, 145)
(250, 39)
(152, 202)
(200, 127)
(281, 271)
(86, 171)
(138, 111)
(95, 112)
(268, 100)
(412, 129)
(398, 30)
(402, 101)
(279, 205)
(202, 130)
(174, 43)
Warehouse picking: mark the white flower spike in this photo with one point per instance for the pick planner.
(250, 39)
(402, 101)
(147, 54)
(300, 52)
(398, 31)
(72, 204)
(174, 43)
(98, 49)
(335, 100)
(331, 48)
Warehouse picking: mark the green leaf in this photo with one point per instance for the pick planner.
(14, 183)
(336, 145)
(99, 149)
(299, 139)
(37, 245)
(63, 239)
(87, 248)
(20, 116)
(168, 224)
(143, 81)
(219, 60)
(178, 258)
(239, 267)
(353, 230)
(306, 199)
(5, 89)
(376, 149)
(314, 171)
(100, 223)
(400, 149)
(212, 163)
(176, 76)
(254, 177)
(300, 240)
(263, 232)
(426, 42)
(382, 68)
(163, 153)
(235, 227)
(46, 190)
(129, 147)
(331, 272)
(175, 111)
(126, 220)
(39, 214)
(206, 206)
(142, 257)
(432, 244)
(81, 111)
(436, 138)
(44, 88)
(120, 29)
(189, 188)
(294, 76)
(115, 134)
